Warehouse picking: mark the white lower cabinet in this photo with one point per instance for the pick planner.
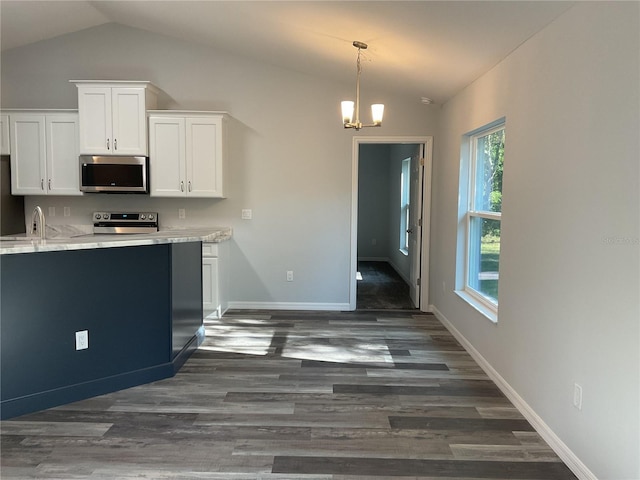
(44, 153)
(214, 281)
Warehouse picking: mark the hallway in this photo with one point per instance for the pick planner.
(381, 288)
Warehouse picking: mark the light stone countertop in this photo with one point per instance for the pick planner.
(61, 238)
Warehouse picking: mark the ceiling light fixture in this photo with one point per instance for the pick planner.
(377, 110)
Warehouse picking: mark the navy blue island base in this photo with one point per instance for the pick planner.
(141, 307)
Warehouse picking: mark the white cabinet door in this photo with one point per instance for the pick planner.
(94, 108)
(129, 121)
(210, 297)
(167, 166)
(113, 120)
(186, 155)
(44, 159)
(204, 156)
(5, 148)
(28, 157)
(62, 161)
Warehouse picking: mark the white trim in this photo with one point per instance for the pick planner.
(287, 306)
(482, 306)
(427, 141)
(562, 450)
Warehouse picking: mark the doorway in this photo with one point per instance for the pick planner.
(391, 191)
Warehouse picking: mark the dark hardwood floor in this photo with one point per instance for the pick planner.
(295, 395)
(381, 288)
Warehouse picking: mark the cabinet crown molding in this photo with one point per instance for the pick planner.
(119, 83)
(189, 113)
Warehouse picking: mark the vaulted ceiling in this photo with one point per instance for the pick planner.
(425, 48)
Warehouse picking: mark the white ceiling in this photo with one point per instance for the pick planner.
(425, 48)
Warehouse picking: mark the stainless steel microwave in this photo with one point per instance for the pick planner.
(103, 174)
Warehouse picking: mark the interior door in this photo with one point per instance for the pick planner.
(415, 224)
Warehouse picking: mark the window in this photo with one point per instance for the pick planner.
(482, 215)
(405, 199)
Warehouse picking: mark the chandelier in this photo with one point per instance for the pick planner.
(377, 110)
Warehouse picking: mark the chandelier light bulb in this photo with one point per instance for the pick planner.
(377, 112)
(347, 111)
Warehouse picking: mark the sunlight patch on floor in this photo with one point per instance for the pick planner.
(259, 337)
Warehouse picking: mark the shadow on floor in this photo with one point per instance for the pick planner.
(381, 288)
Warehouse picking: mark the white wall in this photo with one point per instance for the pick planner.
(374, 202)
(569, 267)
(290, 156)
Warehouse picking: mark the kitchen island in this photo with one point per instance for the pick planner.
(134, 301)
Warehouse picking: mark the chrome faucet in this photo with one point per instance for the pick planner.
(37, 213)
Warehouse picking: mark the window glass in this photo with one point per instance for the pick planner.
(488, 172)
(405, 183)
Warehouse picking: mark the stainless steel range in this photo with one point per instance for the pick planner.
(125, 222)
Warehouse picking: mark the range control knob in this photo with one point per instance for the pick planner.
(151, 216)
(98, 216)
(142, 216)
(105, 216)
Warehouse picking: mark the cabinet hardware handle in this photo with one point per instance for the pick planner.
(189, 185)
(42, 184)
(115, 143)
(107, 144)
(182, 186)
(49, 184)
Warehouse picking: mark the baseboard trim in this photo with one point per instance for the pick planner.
(373, 259)
(562, 450)
(288, 306)
(73, 393)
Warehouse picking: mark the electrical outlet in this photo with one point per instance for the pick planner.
(82, 340)
(289, 275)
(182, 213)
(67, 211)
(577, 396)
(374, 241)
(52, 211)
(247, 214)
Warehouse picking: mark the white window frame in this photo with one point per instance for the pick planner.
(405, 205)
(468, 212)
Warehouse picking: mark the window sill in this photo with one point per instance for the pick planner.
(489, 313)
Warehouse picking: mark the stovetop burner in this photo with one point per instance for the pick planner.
(125, 222)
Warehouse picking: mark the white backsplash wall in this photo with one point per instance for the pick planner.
(289, 156)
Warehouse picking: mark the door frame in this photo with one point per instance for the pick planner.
(427, 142)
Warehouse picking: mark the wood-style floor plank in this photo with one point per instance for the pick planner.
(384, 395)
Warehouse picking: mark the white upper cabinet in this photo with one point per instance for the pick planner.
(186, 154)
(5, 148)
(167, 156)
(113, 118)
(44, 157)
